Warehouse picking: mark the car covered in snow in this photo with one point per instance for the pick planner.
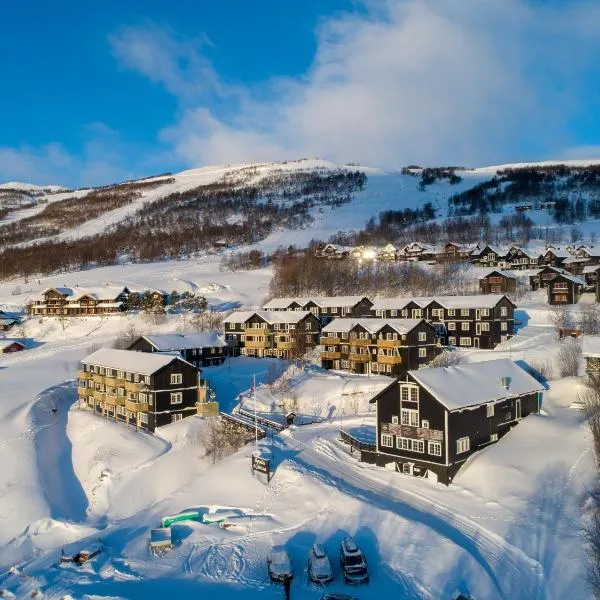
(353, 563)
(319, 567)
(279, 564)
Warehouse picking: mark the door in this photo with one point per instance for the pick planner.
(476, 342)
(477, 314)
(518, 409)
(478, 329)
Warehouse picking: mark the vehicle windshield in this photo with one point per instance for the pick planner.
(354, 560)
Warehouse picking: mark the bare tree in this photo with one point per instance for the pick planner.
(569, 356)
(222, 438)
(126, 337)
(560, 316)
(589, 320)
(448, 358)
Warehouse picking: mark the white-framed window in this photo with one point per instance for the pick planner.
(503, 311)
(485, 312)
(388, 368)
(405, 312)
(120, 374)
(417, 313)
(425, 424)
(101, 370)
(379, 312)
(176, 397)
(464, 312)
(422, 336)
(345, 364)
(493, 437)
(452, 341)
(435, 448)
(395, 420)
(334, 309)
(387, 441)
(143, 397)
(465, 341)
(451, 312)
(422, 352)
(176, 378)
(489, 410)
(176, 417)
(393, 313)
(451, 326)
(503, 326)
(464, 326)
(136, 377)
(463, 445)
(143, 417)
(485, 326)
(409, 417)
(410, 444)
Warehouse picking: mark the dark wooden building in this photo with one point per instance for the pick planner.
(481, 321)
(7, 322)
(201, 349)
(277, 334)
(431, 421)
(146, 390)
(544, 276)
(382, 347)
(490, 256)
(520, 259)
(72, 302)
(8, 346)
(498, 282)
(590, 274)
(324, 308)
(565, 289)
(554, 257)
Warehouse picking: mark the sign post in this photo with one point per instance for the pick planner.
(261, 464)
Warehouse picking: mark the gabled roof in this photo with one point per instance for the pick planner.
(499, 272)
(178, 341)
(558, 252)
(322, 301)
(477, 301)
(373, 325)
(143, 363)
(478, 383)
(6, 342)
(271, 317)
(572, 278)
(586, 269)
(106, 292)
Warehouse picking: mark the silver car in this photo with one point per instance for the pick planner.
(319, 567)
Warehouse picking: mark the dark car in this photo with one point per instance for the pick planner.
(353, 564)
(338, 597)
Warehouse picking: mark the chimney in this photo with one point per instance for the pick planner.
(505, 381)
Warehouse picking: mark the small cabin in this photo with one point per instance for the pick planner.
(565, 289)
(498, 282)
(10, 346)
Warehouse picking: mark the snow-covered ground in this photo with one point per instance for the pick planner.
(506, 528)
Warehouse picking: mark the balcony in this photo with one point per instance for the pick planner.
(265, 343)
(389, 343)
(84, 391)
(132, 406)
(114, 400)
(389, 360)
(362, 343)
(256, 331)
(331, 355)
(285, 345)
(84, 375)
(355, 357)
(331, 341)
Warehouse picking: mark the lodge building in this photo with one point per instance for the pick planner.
(565, 289)
(498, 282)
(201, 349)
(277, 334)
(430, 422)
(482, 321)
(385, 347)
(324, 308)
(145, 390)
(66, 301)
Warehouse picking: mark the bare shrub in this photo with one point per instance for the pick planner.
(222, 439)
(568, 357)
(126, 337)
(560, 317)
(447, 358)
(589, 320)
(542, 371)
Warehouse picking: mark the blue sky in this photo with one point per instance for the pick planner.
(94, 93)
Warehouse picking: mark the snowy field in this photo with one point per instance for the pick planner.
(508, 527)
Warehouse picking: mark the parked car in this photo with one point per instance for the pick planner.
(352, 562)
(319, 567)
(279, 564)
(338, 597)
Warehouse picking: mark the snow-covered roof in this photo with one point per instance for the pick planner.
(106, 292)
(558, 252)
(573, 278)
(373, 326)
(586, 269)
(6, 319)
(591, 346)
(6, 342)
(574, 260)
(478, 383)
(144, 363)
(476, 301)
(271, 317)
(181, 341)
(508, 274)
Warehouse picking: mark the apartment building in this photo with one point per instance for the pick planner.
(383, 347)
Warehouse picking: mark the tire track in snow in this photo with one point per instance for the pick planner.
(494, 554)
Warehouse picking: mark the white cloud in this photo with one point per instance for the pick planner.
(459, 81)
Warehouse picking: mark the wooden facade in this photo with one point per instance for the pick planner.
(276, 334)
(497, 282)
(542, 278)
(374, 346)
(519, 259)
(10, 346)
(71, 302)
(199, 350)
(324, 308)
(422, 434)
(158, 396)
(565, 289)
(466, 321)
(491, 257)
